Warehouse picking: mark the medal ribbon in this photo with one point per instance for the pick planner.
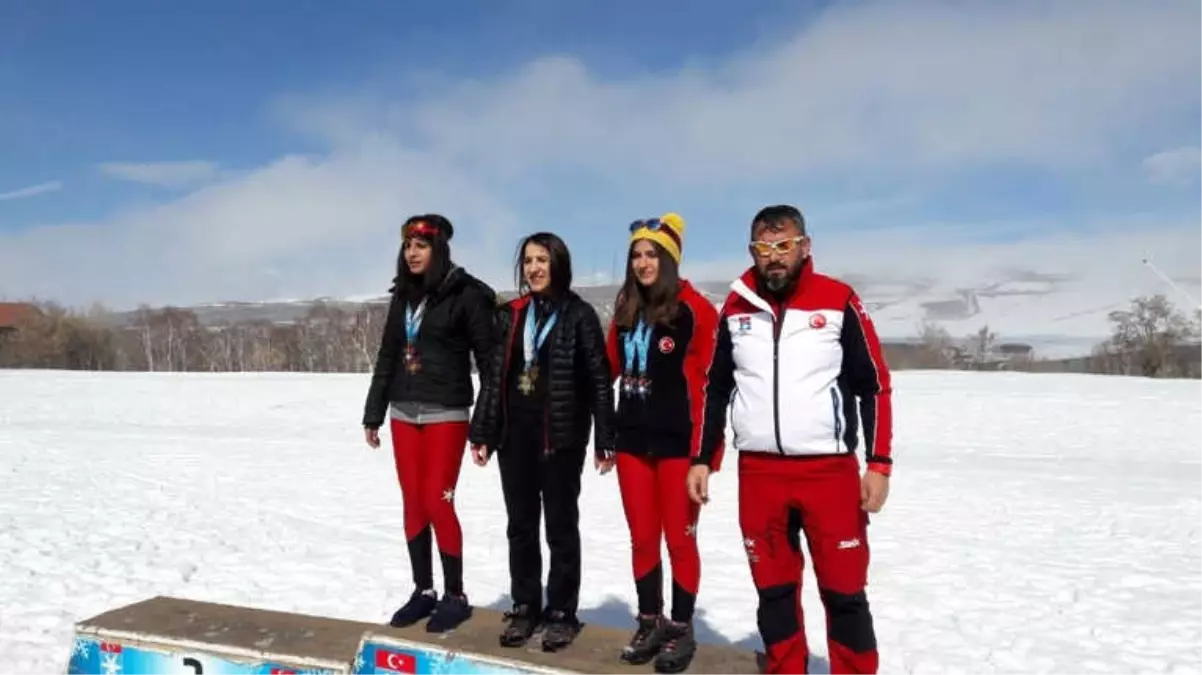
(413, 321)
(637, 342)
(530, 345)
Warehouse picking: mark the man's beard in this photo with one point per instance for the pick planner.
(776, 284)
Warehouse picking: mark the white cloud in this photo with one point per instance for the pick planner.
(1178, 166)
(31, 191)
(299, 227)
(870, 88)
(890, 92)
(165, 174)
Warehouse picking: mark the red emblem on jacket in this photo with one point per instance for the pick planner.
(817, 321)
(666, 345)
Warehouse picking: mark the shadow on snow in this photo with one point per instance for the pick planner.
(618, 614)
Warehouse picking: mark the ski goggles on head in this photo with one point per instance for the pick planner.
(652, 224)
(782, 247)
(419, 229)
(658, 226)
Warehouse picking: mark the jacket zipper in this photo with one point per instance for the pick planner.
(776, 329)
(836, 404)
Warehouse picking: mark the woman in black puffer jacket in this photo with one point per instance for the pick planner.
(549, 388)
(438, 318)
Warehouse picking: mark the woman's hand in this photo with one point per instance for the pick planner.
(480, 454)
(603, 460)
(372, 436)
(698, 484)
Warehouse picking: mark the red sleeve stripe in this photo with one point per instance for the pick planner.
(883, 424)
(698, 359)
(611, 350)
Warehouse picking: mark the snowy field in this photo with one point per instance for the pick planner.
(1037, 523)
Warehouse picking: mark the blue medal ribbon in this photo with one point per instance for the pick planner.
(637, 343)
(413, 320)
(413, 323)
(530, 345)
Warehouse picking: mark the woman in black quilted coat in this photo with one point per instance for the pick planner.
(548, 388)
(439, 316)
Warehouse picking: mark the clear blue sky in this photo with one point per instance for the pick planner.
(176, 152)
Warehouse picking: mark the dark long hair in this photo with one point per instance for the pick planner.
(560, 264)
(412, 286)
(658, 304)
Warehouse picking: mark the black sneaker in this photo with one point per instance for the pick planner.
(678, 650)
(560, 631)
(522, 623)
(451, 611)
(646, 642)
(421, 605)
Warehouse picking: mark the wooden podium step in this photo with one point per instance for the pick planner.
(174, 635)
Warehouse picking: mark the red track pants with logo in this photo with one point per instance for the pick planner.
(656, 500)
(428, 458)
(780, 497)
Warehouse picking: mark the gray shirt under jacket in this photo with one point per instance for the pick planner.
(412, 412)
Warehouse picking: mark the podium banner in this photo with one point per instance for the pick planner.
(129, 655)
(390, 655)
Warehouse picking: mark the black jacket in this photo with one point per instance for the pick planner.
(458, 322)
(579, 393)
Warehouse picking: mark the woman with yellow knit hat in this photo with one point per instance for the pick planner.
(660, 345)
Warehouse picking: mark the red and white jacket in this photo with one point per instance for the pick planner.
(795, 368)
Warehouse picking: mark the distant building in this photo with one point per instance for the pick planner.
(13, 313)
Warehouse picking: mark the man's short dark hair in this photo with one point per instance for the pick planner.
(778, 217)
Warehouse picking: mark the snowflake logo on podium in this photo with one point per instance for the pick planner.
(80, 648)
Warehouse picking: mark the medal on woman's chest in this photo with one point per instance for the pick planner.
(527, 380)
(413, 322)
(413, 363)
(636, 381)
(531, 343)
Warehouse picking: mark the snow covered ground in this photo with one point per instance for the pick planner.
(1037, 523)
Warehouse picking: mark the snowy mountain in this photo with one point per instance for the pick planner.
(1057, 314)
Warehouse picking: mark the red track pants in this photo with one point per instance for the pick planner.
(779, 498)
(657, 505)
(428, 458)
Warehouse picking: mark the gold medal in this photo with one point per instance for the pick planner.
(527, 380)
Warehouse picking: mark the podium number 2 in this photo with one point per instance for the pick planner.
(194, 664)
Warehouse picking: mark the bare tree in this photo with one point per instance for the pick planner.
(935, 347)
(981, 348)
(366, 332)
(1150, 337)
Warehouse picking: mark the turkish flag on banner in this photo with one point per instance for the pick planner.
(110, 648)
(396, 662)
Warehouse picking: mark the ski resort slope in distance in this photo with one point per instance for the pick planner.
(1036, 523)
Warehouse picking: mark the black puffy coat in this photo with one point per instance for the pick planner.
(579, 396)
(458, 322)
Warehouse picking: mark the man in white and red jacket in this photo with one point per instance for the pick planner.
(801, 358)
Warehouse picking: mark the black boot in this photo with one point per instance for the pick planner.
(561, 629)
(523, 621)
(646, 642)
(450, 611)
(678, 650)
(420, 606)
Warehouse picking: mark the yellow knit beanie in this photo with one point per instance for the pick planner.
(667, 231)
